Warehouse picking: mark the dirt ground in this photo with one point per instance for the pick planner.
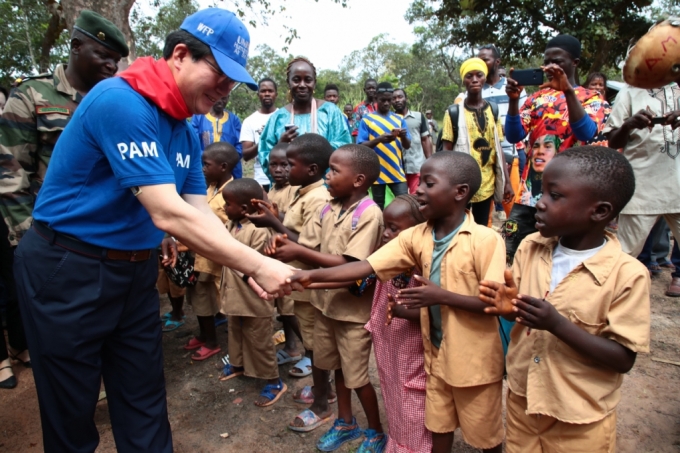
(201, 408)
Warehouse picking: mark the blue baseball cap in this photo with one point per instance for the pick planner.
(228, 39)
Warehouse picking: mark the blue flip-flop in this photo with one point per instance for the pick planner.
(171, 325)
(168, 315)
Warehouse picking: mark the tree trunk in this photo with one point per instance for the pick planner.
(604, 46)
(117, 11)
(54, 29)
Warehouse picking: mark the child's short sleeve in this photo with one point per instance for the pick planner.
(366, 236)
(394, 257)
(628, 320)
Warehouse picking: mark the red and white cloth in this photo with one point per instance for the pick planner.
(400, 359)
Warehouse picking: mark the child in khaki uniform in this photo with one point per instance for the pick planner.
(307, 157)
(581, 306)
(219, 159)
(280, 197)
(251, 347)
(347, 229)
(463, 351)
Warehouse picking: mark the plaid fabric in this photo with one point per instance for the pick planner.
(399, 357)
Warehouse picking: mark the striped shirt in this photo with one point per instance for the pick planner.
(374, 125)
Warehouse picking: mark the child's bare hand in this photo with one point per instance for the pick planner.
(282, 248)
(391, 304)
(169, 251)
(262, 204)
(420, 296)
(264, 218)
(536, 313)
(499, 296)
(300, 280)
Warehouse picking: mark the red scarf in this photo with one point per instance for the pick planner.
(154, 80)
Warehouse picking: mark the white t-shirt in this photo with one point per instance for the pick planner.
(250, 132)
(565, 260)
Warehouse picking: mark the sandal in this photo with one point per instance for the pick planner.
(310, 421)
(168, 315)
(306, 396)
(229, 371)
(26, 364)
(304, 366)
(194, 343)
(272, 397)
(171, 325)
(283, 357)
(203, 353)
(10, 382)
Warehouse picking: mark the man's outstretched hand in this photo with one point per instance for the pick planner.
(499, 296)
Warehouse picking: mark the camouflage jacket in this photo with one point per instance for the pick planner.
(34, 116)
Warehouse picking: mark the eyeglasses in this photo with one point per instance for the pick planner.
(217, 70)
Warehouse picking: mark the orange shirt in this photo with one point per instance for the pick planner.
(607, 295)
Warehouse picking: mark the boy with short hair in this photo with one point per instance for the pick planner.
(219, 160)
(387, 134)
(581, 306)
(347, 229)
(308, 157)
(251, 347)
(463, 351)
(280, 196)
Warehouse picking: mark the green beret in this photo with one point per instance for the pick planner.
(101, 30)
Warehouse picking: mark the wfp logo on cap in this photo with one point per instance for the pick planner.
(205, 29)
(241, 47)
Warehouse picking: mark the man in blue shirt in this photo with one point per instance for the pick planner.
(86, 270)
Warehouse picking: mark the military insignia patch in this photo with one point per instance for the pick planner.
(50, 109)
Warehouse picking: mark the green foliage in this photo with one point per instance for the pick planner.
(521, 28)
(21, 37)
(150, 32)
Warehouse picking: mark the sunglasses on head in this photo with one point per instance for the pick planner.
(385, 90)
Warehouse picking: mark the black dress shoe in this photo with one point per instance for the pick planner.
(10, 382)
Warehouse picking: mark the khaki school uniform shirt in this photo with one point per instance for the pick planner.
(237, 297)
(607, 295)
(216, 203)
(334, 235)
(282, 197)
(471, 352)
(302, 209)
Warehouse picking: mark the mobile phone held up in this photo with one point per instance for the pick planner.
(659, 120)
(288, 127)
(528, 77)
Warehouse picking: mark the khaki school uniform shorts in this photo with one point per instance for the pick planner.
(476, 410)
(285, 306)
(342, 345)
(166, 286)
(251, 346)
(305, 314)
(204, 297)
(545, 434)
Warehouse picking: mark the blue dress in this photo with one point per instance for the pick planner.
(331, 124)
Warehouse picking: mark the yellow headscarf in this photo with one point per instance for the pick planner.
(473, 64)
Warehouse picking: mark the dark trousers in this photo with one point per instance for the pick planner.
(481, 211)
(397, 188)
(15, 328)
(519, 225)
(88, 318)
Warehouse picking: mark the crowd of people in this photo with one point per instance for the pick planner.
(362, 229)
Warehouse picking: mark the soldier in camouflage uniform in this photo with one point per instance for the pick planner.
(32, 120)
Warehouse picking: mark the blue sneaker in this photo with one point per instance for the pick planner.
(340, 433)
(374, 443)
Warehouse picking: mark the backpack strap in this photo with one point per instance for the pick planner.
(494, 110)
(363, 205)
(454, 112)
(325, 210)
